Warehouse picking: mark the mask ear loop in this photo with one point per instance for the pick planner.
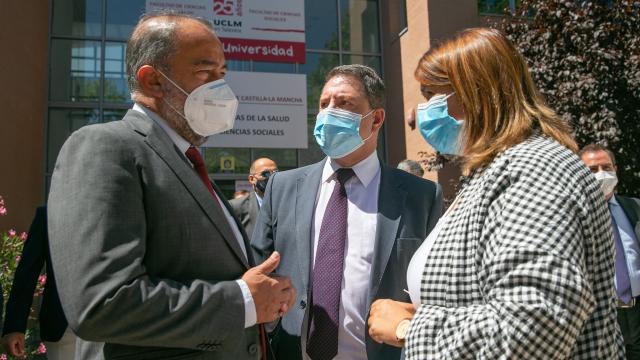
(179, 88)
(172, 82)
(362, 118)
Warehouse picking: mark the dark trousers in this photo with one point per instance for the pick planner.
(629, 320)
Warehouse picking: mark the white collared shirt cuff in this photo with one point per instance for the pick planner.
(250, 316)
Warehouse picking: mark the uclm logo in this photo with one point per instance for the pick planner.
(223, 7)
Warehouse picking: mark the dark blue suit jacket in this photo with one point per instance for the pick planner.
(408, 208)
(34, 256)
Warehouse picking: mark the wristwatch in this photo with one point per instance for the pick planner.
(401, 329)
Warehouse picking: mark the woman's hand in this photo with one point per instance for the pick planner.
(384, 317)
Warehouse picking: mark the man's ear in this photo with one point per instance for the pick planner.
(378, 119)
(149, 81)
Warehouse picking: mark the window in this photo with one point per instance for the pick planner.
(87, 81)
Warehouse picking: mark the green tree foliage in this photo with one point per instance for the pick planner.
(584, 56)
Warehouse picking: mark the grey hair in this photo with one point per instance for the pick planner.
(411, 166)
(371, 83)
(154, 43)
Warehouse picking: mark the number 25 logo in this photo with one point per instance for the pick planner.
(223, 7)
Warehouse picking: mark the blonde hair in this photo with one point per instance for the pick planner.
(492, 82)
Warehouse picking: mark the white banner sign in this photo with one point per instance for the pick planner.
(272, 112)
(263, 30)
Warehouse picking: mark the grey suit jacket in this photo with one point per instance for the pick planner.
(408, 208)
(145, 261)
(246, 209)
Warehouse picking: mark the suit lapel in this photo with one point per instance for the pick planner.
(162, 145)
(253, 206)
(632, 211)
(391, 199)
(307, 188)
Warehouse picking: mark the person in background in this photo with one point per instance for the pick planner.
(246, 208)
(59, 339)
(346, 226)
(412, 167)
(240, 193)
(521, 265)
(149, 260)
(625, 226)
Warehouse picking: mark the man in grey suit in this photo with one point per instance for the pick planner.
(248, 206)
(150, 262)
(346, 227)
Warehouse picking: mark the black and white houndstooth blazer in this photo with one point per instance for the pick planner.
(524, 266)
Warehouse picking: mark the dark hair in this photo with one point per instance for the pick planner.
(411, 166)
(154, 44)
(597, 147)
(371, 83)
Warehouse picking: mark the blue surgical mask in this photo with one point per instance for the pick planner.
(437, 127)
(337, 132)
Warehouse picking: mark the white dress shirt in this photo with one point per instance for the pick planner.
(362, 220)
(250, 315)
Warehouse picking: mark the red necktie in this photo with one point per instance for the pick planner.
(198, 164)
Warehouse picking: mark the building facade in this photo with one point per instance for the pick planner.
(63, 68)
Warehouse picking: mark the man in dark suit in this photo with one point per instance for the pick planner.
(346, 227)
(59, 340)
(149, 260)
(625, 221)
(248, 206)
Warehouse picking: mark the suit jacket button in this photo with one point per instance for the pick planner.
(253, 349)
(303, 304)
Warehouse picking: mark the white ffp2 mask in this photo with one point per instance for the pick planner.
(608, 181)
(210, 108)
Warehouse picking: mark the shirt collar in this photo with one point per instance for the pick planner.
(365, 170)
(259, 198)
(178, 140)
(614, 201)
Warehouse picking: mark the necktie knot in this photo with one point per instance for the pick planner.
(194, 156)
(344, 174)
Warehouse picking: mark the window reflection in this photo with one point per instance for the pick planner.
(122, 17)
(80, 18)
(360, 25)
(316, 68)
(75, 70)
(115, 77)
(321, 25)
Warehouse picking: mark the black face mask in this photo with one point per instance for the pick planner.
(261, 185)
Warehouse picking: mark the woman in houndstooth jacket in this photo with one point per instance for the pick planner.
(521, 266)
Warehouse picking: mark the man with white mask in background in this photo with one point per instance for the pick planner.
(346, 226)
(625, 226)
(150, 263)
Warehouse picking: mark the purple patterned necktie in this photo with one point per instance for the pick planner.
(623, 282)
(327, 273)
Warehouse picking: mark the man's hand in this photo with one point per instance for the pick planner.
(14, 344)
(272, 294)
(384, 317)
